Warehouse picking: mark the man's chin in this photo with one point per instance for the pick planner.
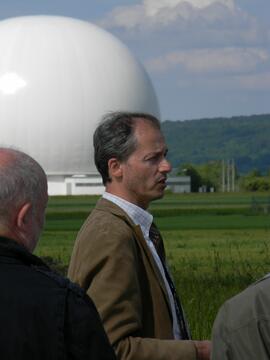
(158, 194)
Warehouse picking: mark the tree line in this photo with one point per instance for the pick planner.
(211, 176)
(244, 139)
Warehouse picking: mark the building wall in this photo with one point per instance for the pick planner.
(82, 185)
(92, 185)
(179, 184)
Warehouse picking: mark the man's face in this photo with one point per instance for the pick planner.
(144, 173)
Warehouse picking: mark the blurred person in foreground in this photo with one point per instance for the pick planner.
(119, 256)
(242, 327)
(43, 315)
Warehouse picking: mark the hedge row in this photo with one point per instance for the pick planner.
(51, 215)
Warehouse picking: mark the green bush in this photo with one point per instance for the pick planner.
(200, 211)
(256, 183)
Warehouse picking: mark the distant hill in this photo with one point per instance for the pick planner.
(246, 139)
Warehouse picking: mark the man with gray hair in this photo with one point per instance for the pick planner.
(43, 315)
(119, 256)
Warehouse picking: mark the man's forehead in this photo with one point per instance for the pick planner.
(139, 122)
(143, 127)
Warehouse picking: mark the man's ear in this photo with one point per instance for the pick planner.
(114, 168)
(23, 215)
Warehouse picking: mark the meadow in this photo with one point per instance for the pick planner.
(217, 244)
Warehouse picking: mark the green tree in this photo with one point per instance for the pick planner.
(254, 173)
(208, 175)
(255, 183)
(211, 174)
(195, 178)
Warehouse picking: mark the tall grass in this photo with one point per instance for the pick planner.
(209, 266)
(217, 244)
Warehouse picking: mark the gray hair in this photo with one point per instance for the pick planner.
(114, 137)
(22, 180)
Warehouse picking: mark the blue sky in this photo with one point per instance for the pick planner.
(206, 58)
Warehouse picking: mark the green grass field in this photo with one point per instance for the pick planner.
(217, 244)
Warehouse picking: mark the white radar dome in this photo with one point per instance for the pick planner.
(58, 77)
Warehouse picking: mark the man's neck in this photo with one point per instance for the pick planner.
(126, 197)
(8, 233)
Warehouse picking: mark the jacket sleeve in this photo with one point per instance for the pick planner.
(85, 337)
(115, 289)
(241, 329)
(220, 337)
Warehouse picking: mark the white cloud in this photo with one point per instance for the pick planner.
(198, 48)
(153, 7)
(153, 12)
(159, 25)
(181, 23)
(253, 82)
(241, 83)
(124, 16)
(228, 60)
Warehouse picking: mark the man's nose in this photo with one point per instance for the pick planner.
(165, 166)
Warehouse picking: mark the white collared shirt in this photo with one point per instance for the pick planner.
(143, 218)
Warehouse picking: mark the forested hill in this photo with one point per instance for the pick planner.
(246, 139)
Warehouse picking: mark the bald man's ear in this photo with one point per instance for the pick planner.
(23, 215)
(114, 168)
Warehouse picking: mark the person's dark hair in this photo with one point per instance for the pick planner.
(114, 138)
(21, 179)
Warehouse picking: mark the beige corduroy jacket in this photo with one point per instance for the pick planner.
(112, 262)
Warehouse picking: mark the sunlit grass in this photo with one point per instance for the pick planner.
(212, 255)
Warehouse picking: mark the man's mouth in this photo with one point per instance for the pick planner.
(162, 181)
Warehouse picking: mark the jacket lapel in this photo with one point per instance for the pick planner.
(108, 206)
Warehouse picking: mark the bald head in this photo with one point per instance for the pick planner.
(6, 156)
(22, 181)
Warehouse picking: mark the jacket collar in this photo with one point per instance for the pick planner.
(108, 206)
(11, 249)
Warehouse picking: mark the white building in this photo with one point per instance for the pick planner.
(90, 184)
(58, 77)
(179, 184)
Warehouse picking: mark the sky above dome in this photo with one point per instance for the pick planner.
(206, 58)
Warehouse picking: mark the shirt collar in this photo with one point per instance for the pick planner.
(138, 215)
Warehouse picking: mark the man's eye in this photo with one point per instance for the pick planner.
(153, 158)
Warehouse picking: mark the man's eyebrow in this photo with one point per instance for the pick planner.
(157, 152)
